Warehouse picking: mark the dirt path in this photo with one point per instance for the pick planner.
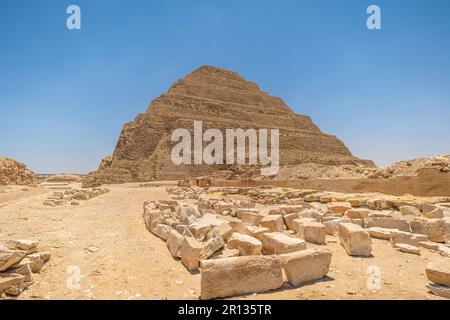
(106, 239)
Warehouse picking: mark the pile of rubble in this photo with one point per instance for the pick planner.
(73, 196)
(19, 260)
(242, 246)
(13, 172)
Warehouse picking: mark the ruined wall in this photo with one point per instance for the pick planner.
(429, 182)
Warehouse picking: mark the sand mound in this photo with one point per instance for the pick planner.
(13, 172)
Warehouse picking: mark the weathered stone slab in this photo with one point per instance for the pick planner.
(211, 246)
(8, 259)
(274, 223)
(357, 213)
(388, 223)
(174, 243)
(380, 233)
(410, 211)
(407, 248)
(339, 207)
(412, 239)
(247, 245)
(306, 265)
(438, 271)
(251, 216)
(279, 243)
(355, 240)
(438, 290)
(289, 218)
(332, 226)
(255, 232)
(313, 232)
(190, 253)
(240, 275)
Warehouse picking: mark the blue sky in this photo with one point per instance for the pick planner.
(64, 95)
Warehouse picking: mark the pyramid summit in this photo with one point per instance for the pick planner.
(220, 99)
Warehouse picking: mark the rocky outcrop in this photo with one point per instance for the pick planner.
(220, 99)
(13, 172)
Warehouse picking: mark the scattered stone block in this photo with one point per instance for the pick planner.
(289, 218)
(412, 239)
(296, 223)
(161, 231)
(410, 211)
(306, 265)
(438, 271)
(255, 231)
(211, 246)
(339, 207)
(406, 248)
(313, 232)
(332, 226)
(226, 253)
(279, 243)
(435, 229)
(174, 243)
(240, 275)
(355, 240)
(10, 258)
(357, 213)
(190, 253)
(438, 290)
(251, 216)
(387, 223)
(274, 223)
(247, 245)
(380, 233)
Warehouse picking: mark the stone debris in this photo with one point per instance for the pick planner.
(15, 173)
(306, 265)
(355, 240)
(71, 197)
(247, 245)
(438, 271)
(407, 248)
(19, 260)
(239, 275)
(225, 238)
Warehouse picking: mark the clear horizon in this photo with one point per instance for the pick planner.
(65, 94)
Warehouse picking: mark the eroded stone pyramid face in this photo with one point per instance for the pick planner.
(220, 99)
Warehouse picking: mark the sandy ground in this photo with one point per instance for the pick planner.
(106, 239)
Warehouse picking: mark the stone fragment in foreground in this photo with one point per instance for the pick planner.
(438, 271)
(435, 229)
(332, 226)
(190, 253)
(410, 211)
(407, 238)
(388, 223)
(25, 245)
(357, 213)
(161, 231)
(407, 248)
(174, 243)
(255, 232)
(355, 240)
(441, 291)
(306, 265)
(289, 218)
(211, 246)
(274, 223)
(251, 216)
(380, 233)
(10, 281)
(279, 243)
(240, 275)
(313, 232)
(247, 245)
(339, 207)
(8, 259)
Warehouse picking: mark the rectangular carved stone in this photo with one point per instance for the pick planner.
(240, 275)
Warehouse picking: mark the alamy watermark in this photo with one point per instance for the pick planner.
(235, 147)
